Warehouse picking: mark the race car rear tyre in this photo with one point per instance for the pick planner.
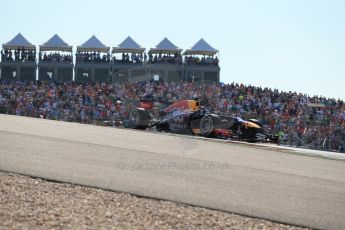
(206, 125)
(139, 119)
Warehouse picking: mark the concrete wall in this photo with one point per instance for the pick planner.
(106, 72)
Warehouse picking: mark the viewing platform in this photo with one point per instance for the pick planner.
(201, 63)
(55, 60)
(129, 62)
(18, 60)
(95, 62)
(92, 62)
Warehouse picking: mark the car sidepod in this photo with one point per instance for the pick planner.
(252, 132)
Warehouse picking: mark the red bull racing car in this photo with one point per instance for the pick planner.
(189, 117)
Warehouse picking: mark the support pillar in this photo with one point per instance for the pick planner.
(92, 74)
(129, 75)
(18, 73)
(55, 76)
(166, 75)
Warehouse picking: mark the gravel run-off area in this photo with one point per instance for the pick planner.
(32, 203)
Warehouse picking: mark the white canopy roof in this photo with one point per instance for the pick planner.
(93, 44)
(128, 45)
(55, 43)
(202, 48)
(19, 41)
(165, 46)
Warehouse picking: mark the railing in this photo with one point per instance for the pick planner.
(17, 61)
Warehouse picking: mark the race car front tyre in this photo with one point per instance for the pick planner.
(206, 125)
(139, 119)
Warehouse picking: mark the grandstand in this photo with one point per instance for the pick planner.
(299, 120)
(95, 62)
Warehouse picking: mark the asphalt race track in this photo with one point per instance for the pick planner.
(260, 181)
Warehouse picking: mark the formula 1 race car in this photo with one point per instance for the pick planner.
(189, 117)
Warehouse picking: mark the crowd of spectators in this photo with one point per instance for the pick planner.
(194, 60)
(175, 59)
(56, 57)
(298, 119)
(19, 55)
(95, 57)
(133, 58)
